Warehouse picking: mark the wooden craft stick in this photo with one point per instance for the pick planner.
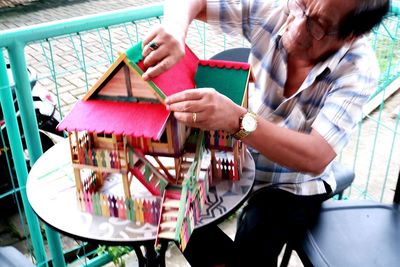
(171, 214)
(167, 235)
(168, 224)
(171, 203)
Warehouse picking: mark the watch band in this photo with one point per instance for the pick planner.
(239, 135)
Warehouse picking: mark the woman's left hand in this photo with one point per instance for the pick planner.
(169, 48)
(206, 109)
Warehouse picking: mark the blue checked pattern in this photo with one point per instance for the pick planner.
(330, 99)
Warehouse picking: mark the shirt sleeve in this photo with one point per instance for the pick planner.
(239, 16)
(342, 109)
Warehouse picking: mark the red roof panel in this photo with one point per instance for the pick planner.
(178, 78)
(102, 116)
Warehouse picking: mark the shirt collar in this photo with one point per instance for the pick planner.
(325, 67)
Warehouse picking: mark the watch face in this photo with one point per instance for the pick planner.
(249, 123)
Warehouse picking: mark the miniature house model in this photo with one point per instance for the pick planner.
(122, 127)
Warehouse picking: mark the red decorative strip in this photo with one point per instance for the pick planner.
(222, 64)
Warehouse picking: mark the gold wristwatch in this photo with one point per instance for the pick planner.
(247, 124)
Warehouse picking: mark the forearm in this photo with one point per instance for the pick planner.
(170, 36)
(179, 14)
(309, 153)
(298, 151)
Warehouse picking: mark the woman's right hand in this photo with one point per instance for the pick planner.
(170, 48)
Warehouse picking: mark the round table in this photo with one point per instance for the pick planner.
(52, 195)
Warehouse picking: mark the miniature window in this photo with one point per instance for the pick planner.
(164, 138)
(104, 135)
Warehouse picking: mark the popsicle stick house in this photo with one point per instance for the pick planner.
(122, 126)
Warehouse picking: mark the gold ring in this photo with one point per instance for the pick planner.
(194, 117)
(153, 46)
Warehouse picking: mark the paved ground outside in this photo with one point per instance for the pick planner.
(97, 49)
(14, 3)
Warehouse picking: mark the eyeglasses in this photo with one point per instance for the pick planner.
(314, 28)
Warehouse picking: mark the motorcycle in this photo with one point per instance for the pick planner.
(47, 119)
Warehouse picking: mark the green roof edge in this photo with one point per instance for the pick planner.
(134, 54)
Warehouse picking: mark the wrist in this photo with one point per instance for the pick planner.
(176, 29)
(235, 120)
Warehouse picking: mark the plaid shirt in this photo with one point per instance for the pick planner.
(329, 101)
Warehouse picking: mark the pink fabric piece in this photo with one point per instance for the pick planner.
(178, 78)
(102, 116)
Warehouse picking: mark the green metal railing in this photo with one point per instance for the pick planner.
(15, 41)
(374, 153)
(70, 55)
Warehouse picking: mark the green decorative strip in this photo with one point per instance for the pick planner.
(147, 172)
(157, 90)
(134, 54)
(61, 168)
(199, 147)
(181, 215)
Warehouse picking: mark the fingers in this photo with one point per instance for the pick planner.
(147, 40)
(192, 107)
(158, 60)
(187, 95)
(153, 71)
(185, 106)
(202, 108)
(192, 119)
(154, 46)
(188, 107)
(161, 51)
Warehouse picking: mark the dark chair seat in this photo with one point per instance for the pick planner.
(344, 177)
(353, 233)
(11, 257)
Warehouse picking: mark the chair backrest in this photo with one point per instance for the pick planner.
(344, 177)
(353, 233)
(240, 54)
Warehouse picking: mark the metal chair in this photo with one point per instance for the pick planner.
(354, 233)
(344, 177)
(239, 54)
(11, 257)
